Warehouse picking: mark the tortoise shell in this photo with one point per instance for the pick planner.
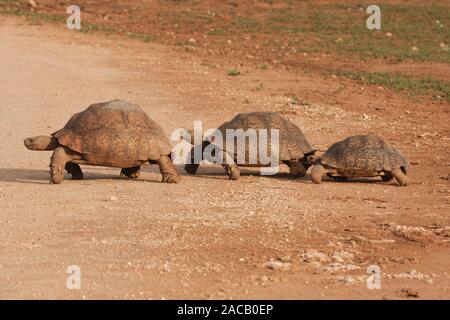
(361, 154)
(292, 141)
(113, 133)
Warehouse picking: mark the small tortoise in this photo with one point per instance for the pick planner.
(294, 150)
(111, 134)
(361, 156)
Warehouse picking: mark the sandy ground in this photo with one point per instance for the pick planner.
(208, 237)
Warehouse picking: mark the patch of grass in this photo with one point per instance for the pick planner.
(317, 28)
(35, 17)
(294, 100)
(91, 27)
(144, 37)
(248, 24)
(233, 72)
(217, 32)
(425, 86)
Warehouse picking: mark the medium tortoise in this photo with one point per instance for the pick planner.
(294, 150)
(361, 156)
(111, 134)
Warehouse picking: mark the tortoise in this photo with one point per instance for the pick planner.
(112, 134)
(294, 149)
(361, 156)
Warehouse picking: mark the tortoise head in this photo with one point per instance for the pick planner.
(41, 143)
(309, 159)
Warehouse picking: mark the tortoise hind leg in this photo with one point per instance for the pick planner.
(337, 178)
(387, 176)
(192, 167)
(168, 170)
(74, 170)
(58, 163)
(400, 175)
(132, 173)
(229, 165)
(232, 170)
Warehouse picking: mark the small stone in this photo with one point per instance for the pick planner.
(311, 256)
(415, 49)
(277, 265)
(113, 198)
(388, 34)
(285, 259)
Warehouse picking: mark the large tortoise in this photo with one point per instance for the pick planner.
(294, 149)
(112, 134)
(361, 156)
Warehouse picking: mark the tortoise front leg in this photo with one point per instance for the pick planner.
(132, 173)
(297, 169)
(74, 170)
(400, 175)
(317, 173)
(58, 162)
(168, 170)
(232, 170)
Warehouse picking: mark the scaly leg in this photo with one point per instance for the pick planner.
(132, 173)
(336, 178)
(192, 167)
(400, 175)
(74, 170)
(232, 170)
(317, 173)
(168, 170)
(58, 162)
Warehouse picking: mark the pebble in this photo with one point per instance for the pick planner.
(277, 265)
(312, 256)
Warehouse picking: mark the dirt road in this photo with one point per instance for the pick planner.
(209, 237)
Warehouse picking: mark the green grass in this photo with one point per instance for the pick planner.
(425, 86)
(141, 36)
(316, 28)
(233, 72)
(35, 17)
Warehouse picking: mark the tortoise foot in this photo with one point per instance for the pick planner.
(170, 178)
(132, 173)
